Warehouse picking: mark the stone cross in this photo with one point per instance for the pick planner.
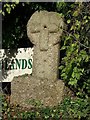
(44, 30)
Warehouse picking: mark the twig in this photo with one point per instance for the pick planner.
(76, 39)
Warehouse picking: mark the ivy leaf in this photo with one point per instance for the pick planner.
(77, 36)
(72, 82)
(85, 17)
(63, 48)
(75, 14)
(72, 27)
(68, 21)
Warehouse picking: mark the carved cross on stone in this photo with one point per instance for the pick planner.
(44, 30)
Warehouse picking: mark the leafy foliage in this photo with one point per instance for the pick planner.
(75, 68)
(77, 108)
(69, 109)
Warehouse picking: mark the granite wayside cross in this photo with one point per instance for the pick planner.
(44, 30)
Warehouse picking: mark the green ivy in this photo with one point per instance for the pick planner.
(69, 109)
(75, 108)
(75, 68)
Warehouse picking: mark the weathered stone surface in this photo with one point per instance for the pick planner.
(28, 88)
(44, 31)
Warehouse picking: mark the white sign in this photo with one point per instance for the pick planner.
(17, 64)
